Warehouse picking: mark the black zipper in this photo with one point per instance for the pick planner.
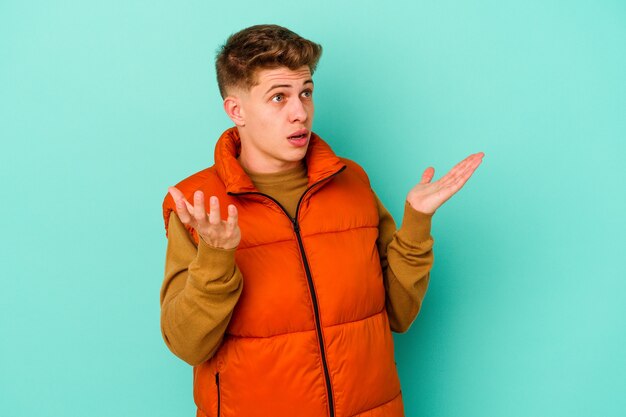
(309, 277)
(217, 382)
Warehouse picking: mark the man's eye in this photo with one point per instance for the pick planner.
(278, 98)
(307, 93)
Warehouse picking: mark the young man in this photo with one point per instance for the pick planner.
(285, 274)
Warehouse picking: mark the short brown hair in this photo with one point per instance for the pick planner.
(261, 47)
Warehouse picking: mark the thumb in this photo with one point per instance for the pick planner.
(428, 175)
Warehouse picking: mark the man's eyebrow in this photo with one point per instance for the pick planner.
(309, 81)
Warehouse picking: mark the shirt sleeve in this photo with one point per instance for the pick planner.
(201, 287)
(406, 257)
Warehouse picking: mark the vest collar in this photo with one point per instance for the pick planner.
(320, 159)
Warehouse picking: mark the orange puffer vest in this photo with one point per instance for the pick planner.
(309, 335)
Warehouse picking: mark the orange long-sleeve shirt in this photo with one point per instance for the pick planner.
(202, 283)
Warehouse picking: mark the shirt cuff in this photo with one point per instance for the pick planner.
(416, 225)
(213, 263)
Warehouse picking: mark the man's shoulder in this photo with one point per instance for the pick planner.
(198, 180)
(205, 180)
(356, 169)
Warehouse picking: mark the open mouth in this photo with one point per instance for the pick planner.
(299, 134)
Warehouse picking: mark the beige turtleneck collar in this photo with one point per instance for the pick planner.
(286, 187)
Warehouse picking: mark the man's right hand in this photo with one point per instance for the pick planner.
(212, 229)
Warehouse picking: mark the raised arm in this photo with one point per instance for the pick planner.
(202, 284)
(406, 254)
(406, 257)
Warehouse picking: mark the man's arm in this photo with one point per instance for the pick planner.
(201, 288)
(406, 258)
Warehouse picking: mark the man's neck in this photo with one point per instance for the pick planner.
(251, 166)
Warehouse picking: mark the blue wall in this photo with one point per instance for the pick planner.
(105, 104)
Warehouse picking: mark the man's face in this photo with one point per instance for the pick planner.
(276, 119)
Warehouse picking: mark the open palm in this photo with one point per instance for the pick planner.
(428, 196)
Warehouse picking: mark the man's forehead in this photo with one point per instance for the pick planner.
(267, 78)
(283, 75)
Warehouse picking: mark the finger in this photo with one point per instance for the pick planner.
(214, 211)
(428, 175)
(471, 167)
(462, 170)
(233, 217)
(453, 174)
(181, 204)
(199, 212)
(175, 193)
(189, 207)
(182, 208)
(462, 178)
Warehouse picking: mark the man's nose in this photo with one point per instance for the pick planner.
(297, 111)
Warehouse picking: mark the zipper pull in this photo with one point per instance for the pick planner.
(296, 226)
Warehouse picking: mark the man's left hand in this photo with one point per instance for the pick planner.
(428, 196)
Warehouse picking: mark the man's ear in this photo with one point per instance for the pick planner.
(234, 110)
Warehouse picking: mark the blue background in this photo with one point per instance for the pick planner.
(105, 104)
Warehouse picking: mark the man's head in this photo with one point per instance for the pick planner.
(264, 75)
(262, 47)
